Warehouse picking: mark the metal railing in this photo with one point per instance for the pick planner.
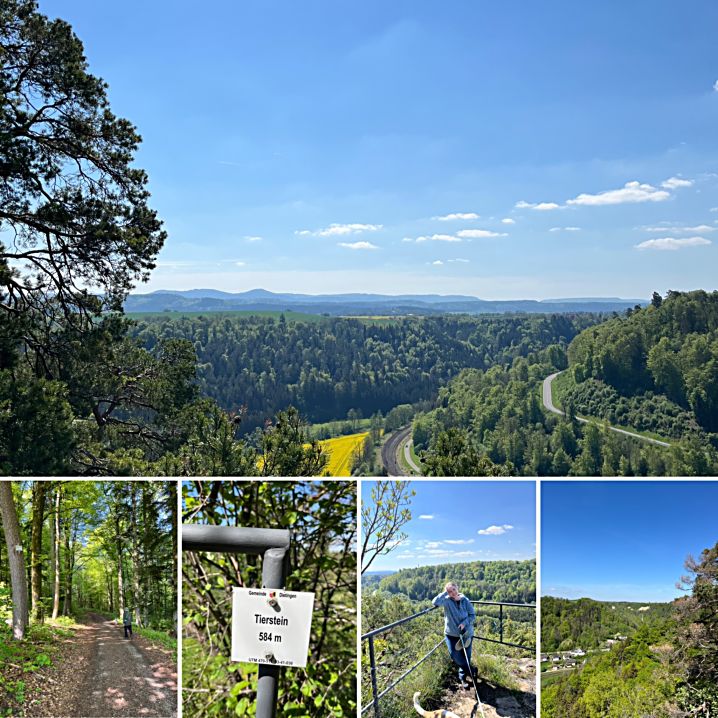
(369, 638)
(272, 545)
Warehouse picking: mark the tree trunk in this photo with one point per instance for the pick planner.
(56, 555)
(15, 559)
(38, 513)
(120, 582)
(66, 604)
(172, 485)
(135, 557)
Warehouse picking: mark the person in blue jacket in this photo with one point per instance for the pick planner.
(459, 617)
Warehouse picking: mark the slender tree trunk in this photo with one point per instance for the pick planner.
(69, 561)
(16, 560)
(173, 520)
(56, 554)
(38, 513)
(120, 581)
(135, 557)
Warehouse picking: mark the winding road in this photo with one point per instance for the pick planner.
(548, 403)
(398, 441)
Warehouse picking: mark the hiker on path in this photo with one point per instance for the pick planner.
(127, 622)
(459, 617)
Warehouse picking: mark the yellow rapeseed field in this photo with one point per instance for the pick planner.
(340, 450)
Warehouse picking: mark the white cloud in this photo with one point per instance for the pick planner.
(457, 215)
(698, 228)
(480, 233)
(432, 544)
(715, 85)
(713, 209)
(427, 517)
(408, 239)
(508, 220)
(540, 206)
(565, 229)
(675, 182)
(461, 261)
(357, 245)
(335, 230)
(631, 193)
(240, 264)
(253, 238)
(459, 542)
(495, 530)
(438, 238)
(672, 244)
(437, 263)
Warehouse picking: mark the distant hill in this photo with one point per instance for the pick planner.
(585, 623)
(212, 300)
(513, 581)
(371, 579)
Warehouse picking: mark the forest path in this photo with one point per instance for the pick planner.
(548, 403)
(107, 676)
(497, 702)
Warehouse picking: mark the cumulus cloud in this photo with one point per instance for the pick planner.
(357, 245)
(437, 263)
(715, 86)
(630, 193)
(479, 233)
(676, 182)
(540, 206)
(458, 542)
(673, 243)
(338, 230)
(495, 530)
(457, 215)
(438, 238)
(426, 517)
(508, 220)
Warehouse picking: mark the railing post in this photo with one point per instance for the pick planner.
(272, 544)
(374, 689)
(501, 622)
(273, 576)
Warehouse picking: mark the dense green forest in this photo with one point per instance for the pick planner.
(398, 649)
(666, 668)
(322, 559)
(259, 365)
(81, 548)
(585, 623)
(512, 581)
(655, 368)
(493, 422)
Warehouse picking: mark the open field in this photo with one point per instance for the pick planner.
(340, 452)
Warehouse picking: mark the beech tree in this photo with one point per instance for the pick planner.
(18, 578)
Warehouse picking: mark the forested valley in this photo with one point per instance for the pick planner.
(78, 558)
(409, 591)
(661, 662)
(493, 422)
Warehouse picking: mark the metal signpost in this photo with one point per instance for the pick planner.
(272, 545)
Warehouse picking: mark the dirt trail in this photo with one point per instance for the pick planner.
(109, 676)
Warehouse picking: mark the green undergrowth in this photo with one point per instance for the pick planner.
(161, 637)
(19, 659)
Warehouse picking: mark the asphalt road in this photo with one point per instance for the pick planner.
(548, 403)
(407, 455)
(390, 450)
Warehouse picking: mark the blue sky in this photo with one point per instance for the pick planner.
(458, 521)
(314, 146)
(623, 540)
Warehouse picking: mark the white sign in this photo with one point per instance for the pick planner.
(271, 625)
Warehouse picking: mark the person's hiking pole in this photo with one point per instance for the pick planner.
(471, 673)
